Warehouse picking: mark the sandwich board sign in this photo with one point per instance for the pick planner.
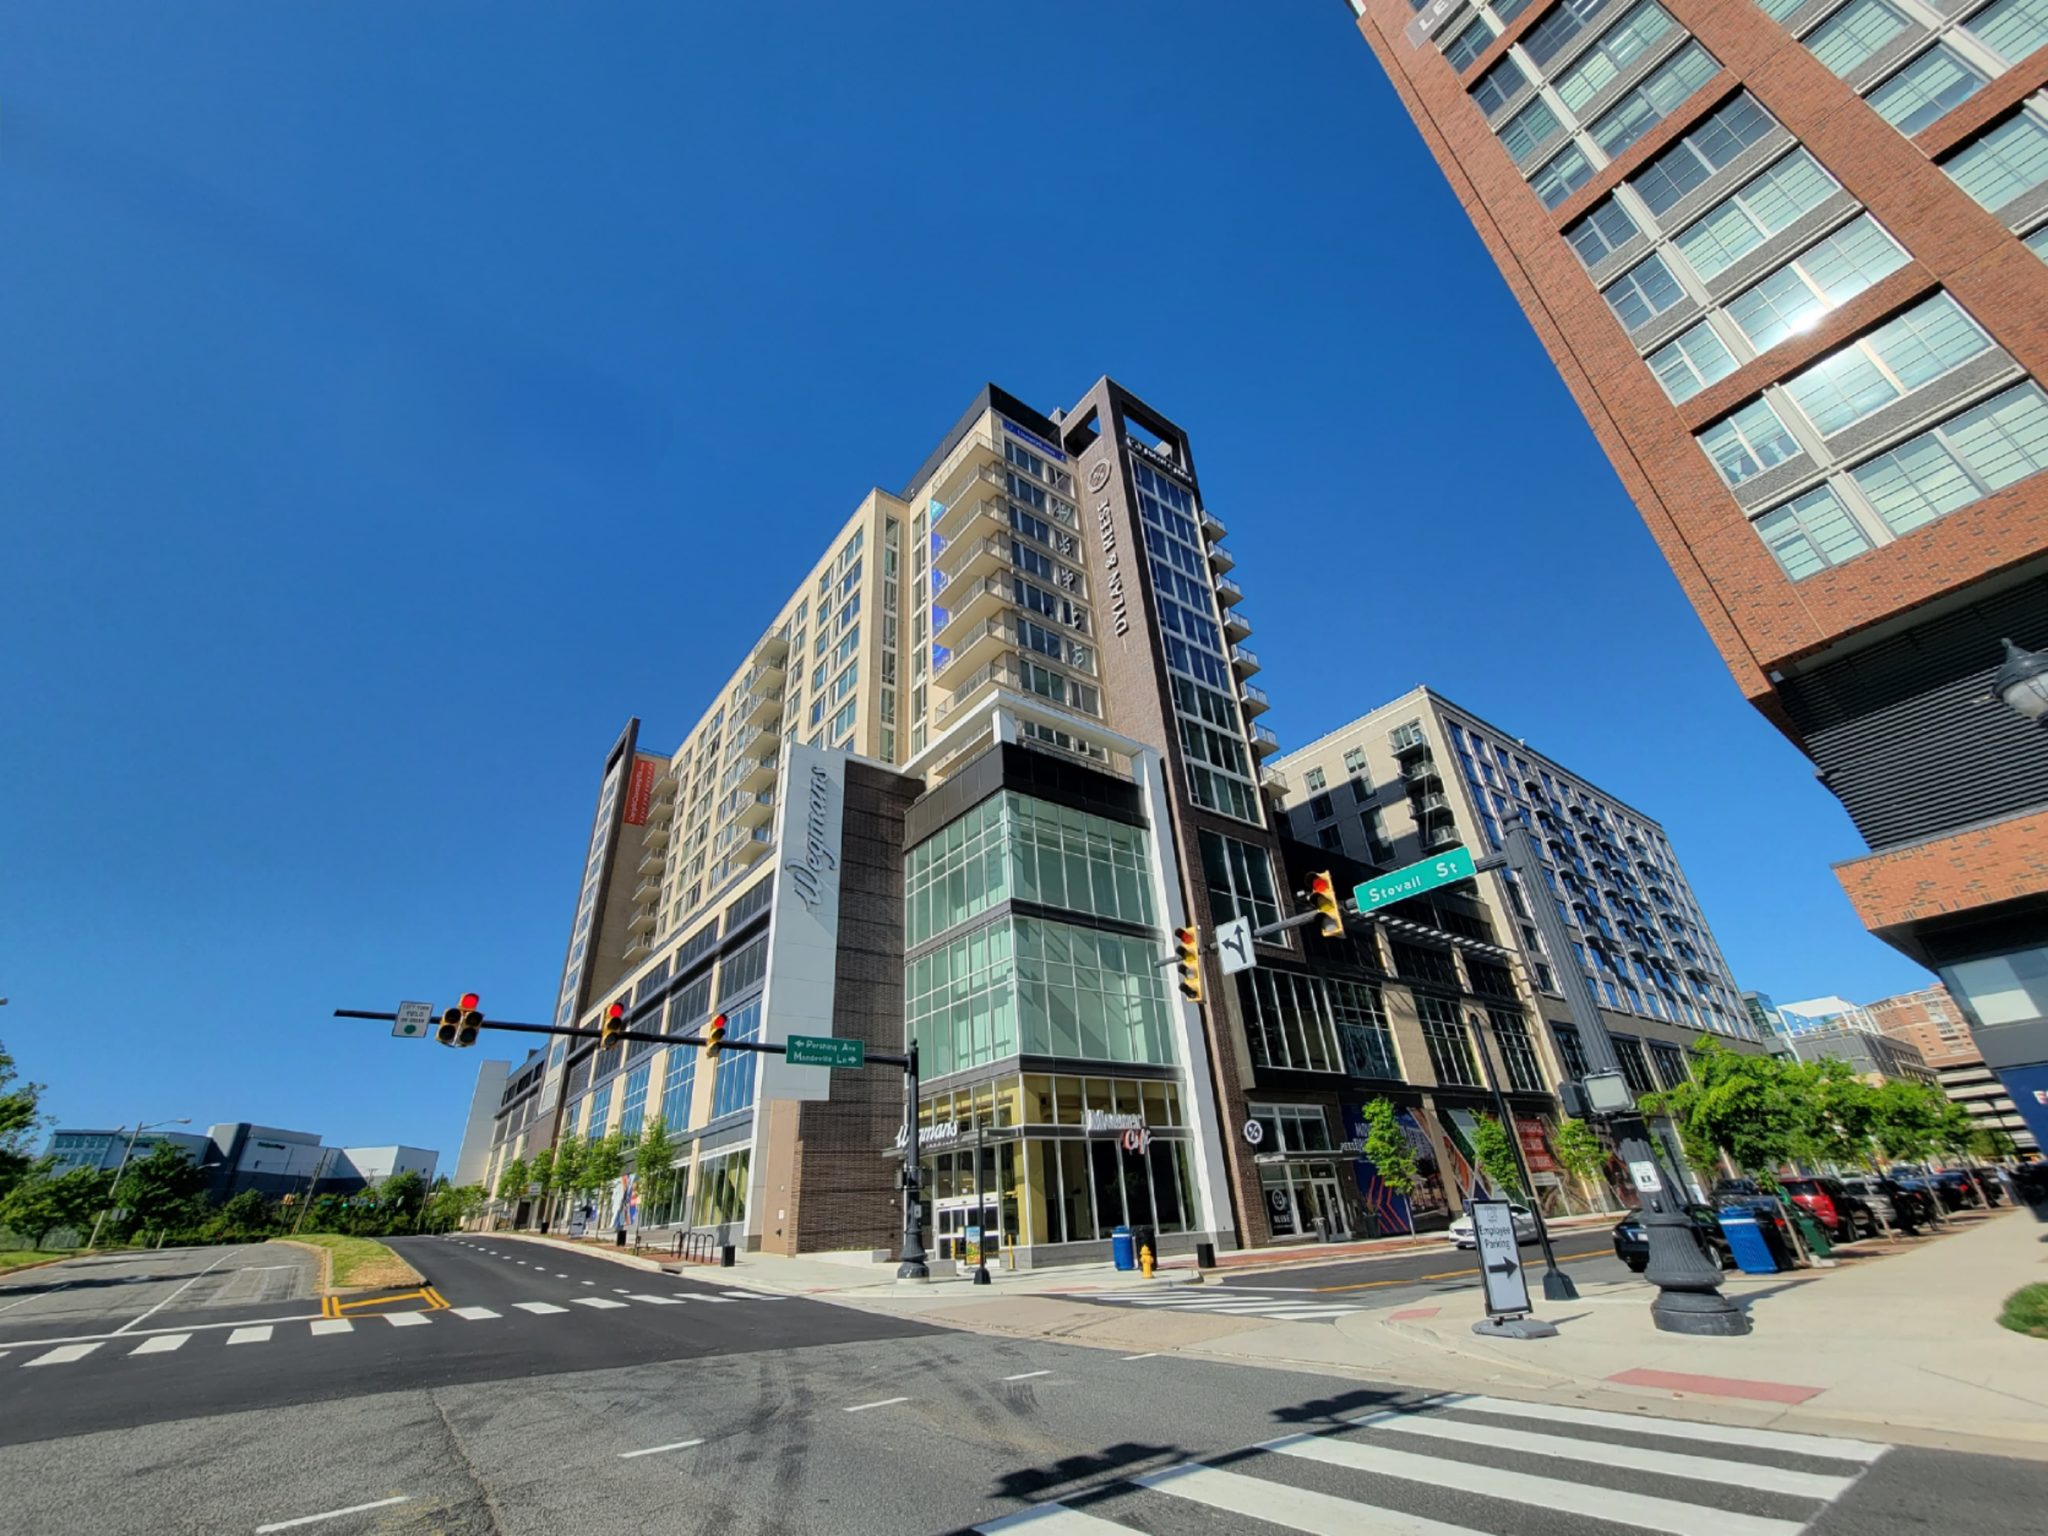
(1500, 1259)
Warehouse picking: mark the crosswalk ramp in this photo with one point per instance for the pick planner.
(362, 1324)
(1480, 1466)
(1288, 1307)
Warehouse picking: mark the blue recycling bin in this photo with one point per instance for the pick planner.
(1122, 1251)
(1746, 1240)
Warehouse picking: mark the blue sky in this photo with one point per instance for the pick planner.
(401, 395)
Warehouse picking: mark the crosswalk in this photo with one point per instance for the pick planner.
(362, 1324)
(1382, 1474)
(1290, 1308)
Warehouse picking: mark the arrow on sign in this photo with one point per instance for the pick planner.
(1504, 1267)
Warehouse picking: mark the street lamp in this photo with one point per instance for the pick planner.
(126, 1153)
(2023, 683)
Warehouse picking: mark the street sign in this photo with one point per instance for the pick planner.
(413, 1020)
(1644, 1173)
(826, 1051)
(1414, 880)
(1254, 1132)
(1234, 946)
(1500, 1258)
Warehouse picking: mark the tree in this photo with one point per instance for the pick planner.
(1579, 1152)
(1842, 1112)
(1387, 1146)
(654, 1169)
(42, 1202)
(540, 1169)
(401, 1196)
(603, 1162)
(247, 1215)
(20, 1114)
(568, 1179)
(1993, 1144)
(163, 1191)
(512, 1181)
(1909, 1120)
(1748, 1106)
(1495, 1150)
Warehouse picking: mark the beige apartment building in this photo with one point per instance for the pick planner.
(1929, 1020)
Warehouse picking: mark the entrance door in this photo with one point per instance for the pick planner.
(1330, 1207)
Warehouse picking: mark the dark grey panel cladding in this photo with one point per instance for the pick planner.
(1041, 775)
(1905, 731)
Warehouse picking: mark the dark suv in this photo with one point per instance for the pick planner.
(1844, 1216)
(1633, 1248)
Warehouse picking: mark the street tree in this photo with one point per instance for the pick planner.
(1842, 1112)
(1387, 1147)
(246, 1215)
(43, 1201)
(604, 1162)
(163, 1191)
(1495, 1150)
(654, 1169)
(512, 1181)
(568, 1175)
(540, 1169)
(1747, 1106)
(20, 1114)
(1909, 1120)
(1580, 1152)
(400, 1198)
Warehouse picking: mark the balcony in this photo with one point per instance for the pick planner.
(763, 709)
(755, 810)
(1255, 700)
(969, 562)
(1420, 770)
(1001, 672)
(638, 947)
(1228, 592)
(980, 645)
(1443, 835)
(969, 605)
(764, 676)
(1432, 804)
(1264, 742)
(752, 846)
(742, 739)
(648, 889)
(770, 650)
(1220, 559)
(956, 517)
(1246, 662)
(757, 773)
(643, 920)
(652, 860)
(1236, 624)
(1212, 526)
(1275, 782)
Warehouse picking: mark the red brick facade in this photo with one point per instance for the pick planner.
(2004, 861)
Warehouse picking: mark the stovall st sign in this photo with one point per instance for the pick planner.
(1414, 880)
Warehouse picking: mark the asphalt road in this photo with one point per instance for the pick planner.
(1583, 1252)
(739, 1415)
(114, 1292)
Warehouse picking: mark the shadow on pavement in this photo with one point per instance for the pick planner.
(1034, 1484)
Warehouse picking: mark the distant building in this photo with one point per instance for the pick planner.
(1824, 1013)
(239, 1156)
(1763, 1013)
(1873, 1057)
(1930, 1022)
(473, 1159)
(373, 1165)
(69, 1150)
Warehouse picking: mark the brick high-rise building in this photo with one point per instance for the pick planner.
(1789, 258)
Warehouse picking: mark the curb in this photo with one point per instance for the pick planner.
(325, 1286)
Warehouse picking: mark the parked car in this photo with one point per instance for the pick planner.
(1958, 1188)
(1461, 1236)
(1872, 1191)
(1843, 1215)
(1632, 1247)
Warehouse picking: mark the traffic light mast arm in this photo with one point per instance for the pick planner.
(882, 1058)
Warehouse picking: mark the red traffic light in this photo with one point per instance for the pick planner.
(469, 1002)
(1321, 885)
(616, 1011)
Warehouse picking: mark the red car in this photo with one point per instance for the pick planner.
(1842, 1215)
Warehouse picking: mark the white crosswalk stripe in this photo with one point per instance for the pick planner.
(1225, 1303)
(597, 1301)
(472, 1314)
(161, 1344)
(406, 1319)
(542, 1307)
(659, 1301)
(63, 1354)
(327, 1325)
(1376, 1475)
(260, 1334)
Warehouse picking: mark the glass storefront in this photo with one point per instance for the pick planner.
(1042, 1160)
(1300, 1173)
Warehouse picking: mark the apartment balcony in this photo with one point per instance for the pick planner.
(1001, 672)
(972, 604)
(1255, 700)
(978, 460)
(1228, 592)
(750, 847)
(1246, 662)
(1275, 782)
(1264, 742)
(644, 920)
(749, 736)
(638, 947)
(648, 889)
(1432, 804)
(755, 810)
(757, 773)
(1443, 835)
(652, 860)
(1220, 559)
(1420, 770)
(1236, 624)
(977, 648)
(970, 561)
(1212, 526)
(770, 651)
(763, 709)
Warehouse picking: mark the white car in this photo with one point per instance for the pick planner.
(1460, 1232)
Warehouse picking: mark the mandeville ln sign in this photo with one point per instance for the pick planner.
(826, 1051)
(1414, 880)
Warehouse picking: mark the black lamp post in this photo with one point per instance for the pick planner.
(2022, 683)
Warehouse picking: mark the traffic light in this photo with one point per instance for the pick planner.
(614, 1026)
(459, 1024)
(714, 1037)
(1322, 896)
(1187, 959)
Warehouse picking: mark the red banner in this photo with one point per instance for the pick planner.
(1535, 1148)
(640, 791)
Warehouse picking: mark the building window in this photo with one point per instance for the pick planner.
(1498, 86)
(1655, 99)
(598, 1108)
(732, 1082)
(1689, 364)
(1854, 33)
(1812, 533)
(1670, 1060)
(1312, 780)
(1416, 962)
(1547, 39)
(1526, 133)
(1517, 1050)
(1571, 1051)
(2012, 29)
(1633, 1065)
(959, 1001)
(1605, 62)
(1898, 357)
(1821, 278)
(1642, 293)
(1747, 442)
(1361, 1019)
(1468, 44)
(1932, 85)
(678, 1087)
(1354, 761)
(1963, 460)
(1714, 143)
(1563, 175)
(633, 1107)
(721, 1193)
(1285, 1024)
(1449, 1040)
(1758, 209)
(2005, 163)
(1240, 880)
(1602, 232)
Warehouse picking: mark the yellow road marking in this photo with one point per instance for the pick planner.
(425, 1294)
(1448, 1274)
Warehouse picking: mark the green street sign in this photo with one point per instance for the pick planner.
(1414, 880)
(825, 1051)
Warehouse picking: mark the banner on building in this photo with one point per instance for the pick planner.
(640, 791)
(803, 926)
(1535, 1137)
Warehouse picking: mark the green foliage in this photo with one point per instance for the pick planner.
(569, 1158)
(1911, 1120)
(42, 1202)
(1842, 1112)
(246, 1216)
(402, 1193)
(1578, 1150)
(540, 1169)
(163, 1192)
(1992, 1144)
(449, 1205)
(603, 1163)
(1748, 1106)
(1388, 1148)
(20, 1114)
(512, 1180)
(654, 1168)
(1495, 1149)
(2026, 1311)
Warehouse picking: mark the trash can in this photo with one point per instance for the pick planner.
(1746, 1241)
(1816, 1238)
(1205, 1255)
(1122, 1251)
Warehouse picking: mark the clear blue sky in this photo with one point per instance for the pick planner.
(398, 396)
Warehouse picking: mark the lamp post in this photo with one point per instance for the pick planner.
(1557, 1285)
(912, 1265)
(1688, 1282)
(126, 1153)
(2022, 683)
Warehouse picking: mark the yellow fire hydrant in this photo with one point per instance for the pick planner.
(1145, 1261)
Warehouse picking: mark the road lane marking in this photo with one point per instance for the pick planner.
(656, 1450)
(596, 1301)
(332, 1325)
(406, 1319)
(561, 1277)
(752, 1296)
(62, 1355)
(181, 1290)
(1297, 1509)
(723, 1301)
(1054, 1520)
(473, 1314)
(1149, 1355)
(331, 1514)
(884, 1403)
(657, 1301)
(538, 1306)
(1026, 1375)
(101, 1338)
(590, 1282)
(160, 1344)
(1717, 1434)
(260, 1334)
(1455, 1274)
